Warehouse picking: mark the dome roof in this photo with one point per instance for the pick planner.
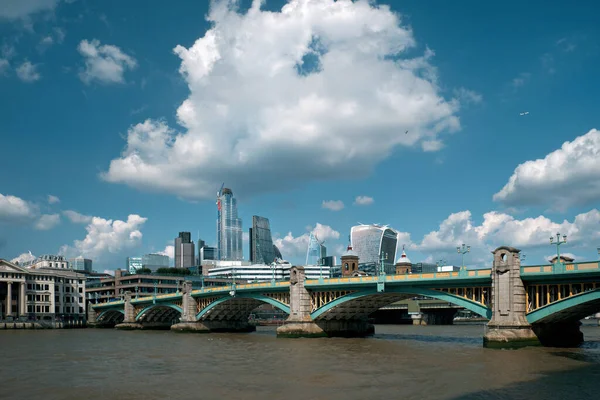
(403, 259)
(350, 253)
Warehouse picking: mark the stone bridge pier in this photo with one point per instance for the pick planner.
(300, 322)
(509, 327)
(129, 321)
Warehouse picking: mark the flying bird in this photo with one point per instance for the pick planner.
(524, 113)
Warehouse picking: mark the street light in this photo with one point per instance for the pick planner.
(273, 273)
(558, 243)
(462, 251)
(441, 263)
(382, 264)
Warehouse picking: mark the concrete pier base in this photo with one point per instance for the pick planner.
(300, 330)
(509, 337)
(192, 327)
(563, 334)
(128, 326)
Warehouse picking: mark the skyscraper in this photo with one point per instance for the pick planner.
(185, 255)
(81, 264)
(229, 227)
(262, 250)
(372, 242)
(154, 261)
(315, 249)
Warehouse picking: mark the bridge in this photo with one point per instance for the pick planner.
(526, 305)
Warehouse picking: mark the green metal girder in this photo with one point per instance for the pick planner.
(450, 298)
(264, 299)
(562, 305)
(107, 311)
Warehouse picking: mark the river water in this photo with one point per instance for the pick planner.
(399, 362)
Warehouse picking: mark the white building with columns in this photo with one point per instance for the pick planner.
(41, 294)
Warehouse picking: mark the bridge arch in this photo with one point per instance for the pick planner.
(238, 307)
(159, 313)
(111, 316)
(377, 300)
(572, 308)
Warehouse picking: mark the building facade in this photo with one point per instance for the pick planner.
(374, 242)
(41, 294)
(262, 249)
(229, 228)
(155, 261)
(47, 261)
(243, 271)
(81, 264)
(134, 264)
(185, 255)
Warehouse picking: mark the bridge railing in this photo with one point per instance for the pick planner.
(561, 268)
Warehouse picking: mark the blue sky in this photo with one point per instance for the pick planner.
(132, 114)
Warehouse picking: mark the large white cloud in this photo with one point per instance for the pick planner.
(566, 177)
(106, 238)
(12, 9)
(291, 246)
(499, 229)
(14, 209)
(104, 63)
(322, 89)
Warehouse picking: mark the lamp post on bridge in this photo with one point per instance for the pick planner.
(155, 289)
(462, 251)
(440, 264)
(273, 273)
(558, 243)
(382, 264)
(136, 291)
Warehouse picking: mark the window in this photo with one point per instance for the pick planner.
(47, 309)
(80, 290)
(46, 287)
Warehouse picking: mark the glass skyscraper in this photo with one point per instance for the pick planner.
(372, 242)
(262, 250)
(229, 227)
(133, 264)
(315, 251)
(155, 261)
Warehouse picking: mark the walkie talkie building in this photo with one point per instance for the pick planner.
(372, 242)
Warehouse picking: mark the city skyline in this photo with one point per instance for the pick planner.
(449, 132)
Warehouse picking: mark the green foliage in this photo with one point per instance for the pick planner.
(144, 271)
(173, 271)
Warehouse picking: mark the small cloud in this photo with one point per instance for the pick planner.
(53, 199)
(548, 63)
(566, 45)
(4, 66)
(109, 272)
(47, 222)
(468, 96)
(333, 205)
(363, 200)
(432, 145)
(104, 63)
(136, 111)
(59, 34)
(520, 80)
(27, 72)
(76, 217)
(25, 257)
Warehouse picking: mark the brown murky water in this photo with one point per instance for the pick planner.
(399, 362)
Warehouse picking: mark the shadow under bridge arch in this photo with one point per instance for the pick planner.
(111, 316)
(364, 302)
(238, 307)
(159, 313)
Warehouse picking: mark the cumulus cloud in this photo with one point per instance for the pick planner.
(106, 238)
(14, 9)
(4, 66)
(333, 205)
(566, 177)
(266, 86)
(76, 217)
(499, 229)
(104, 63)
(363, 200)
(14, 209)
(25, 257)
(27, 72)
(168, 251)
(53, 199)
(291, 246)
(47, 222)
(468, 96)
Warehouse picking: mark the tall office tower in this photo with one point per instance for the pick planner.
(313, 254)
(372, 242)
(81, 264)
(185, 255)
(201, 244)
(262, 250)
(134, 264)
(229, 227)
(322, 250)
(154, 261)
